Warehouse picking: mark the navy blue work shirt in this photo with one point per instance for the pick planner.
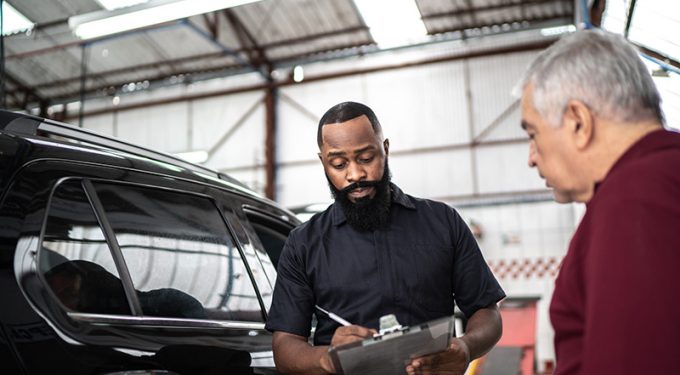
(416, 268)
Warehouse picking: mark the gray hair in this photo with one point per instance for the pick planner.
(598, 68)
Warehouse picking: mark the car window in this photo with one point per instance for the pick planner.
(271, 232)
(75, 259)
(180, 255)
(176, 247)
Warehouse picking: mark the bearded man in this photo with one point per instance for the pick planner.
(377, 251)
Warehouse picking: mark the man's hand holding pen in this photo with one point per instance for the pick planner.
(347, 334)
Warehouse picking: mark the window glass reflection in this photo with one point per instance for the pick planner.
(179, 253)
(75, 259)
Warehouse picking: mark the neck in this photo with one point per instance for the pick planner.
(612, 140)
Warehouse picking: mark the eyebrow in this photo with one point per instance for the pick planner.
(356, 152)
(526, 125)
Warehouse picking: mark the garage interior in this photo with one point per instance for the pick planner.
(239, 86)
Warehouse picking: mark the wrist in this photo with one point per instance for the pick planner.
(326, 363)
(461, 345)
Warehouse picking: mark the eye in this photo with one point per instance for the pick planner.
(366, 160)
(339, 165)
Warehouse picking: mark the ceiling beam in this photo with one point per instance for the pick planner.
(256, 53)
(566, 19)
(539, 45)
(500, 6)
(629, 18)
(658, 56)
(158, 64)
(24, 88)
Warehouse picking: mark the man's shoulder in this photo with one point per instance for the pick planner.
(316, 223)
(652, 175)
(430, 205)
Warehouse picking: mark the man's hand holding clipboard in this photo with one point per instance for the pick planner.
(393, 350)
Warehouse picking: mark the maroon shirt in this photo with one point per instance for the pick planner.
(616, 305)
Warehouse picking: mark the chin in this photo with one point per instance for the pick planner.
(562, 197)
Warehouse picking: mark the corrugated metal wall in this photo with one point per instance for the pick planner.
(432, 114)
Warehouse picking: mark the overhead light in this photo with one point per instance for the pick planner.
(298, 73)
(196, 157)
(557, 30)
(13, 21)
(393, 23)
(115, 4)
(153, 12)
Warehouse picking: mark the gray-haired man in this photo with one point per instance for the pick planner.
(596, 133)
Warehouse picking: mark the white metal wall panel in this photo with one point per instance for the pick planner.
(245, 147)
(523, 230)
(422, 106)
(102, 124)
(301, 185)
(212, 118)
(162, 128)
(492, 80)
(297, 127)
(504, 168)
(434, 175)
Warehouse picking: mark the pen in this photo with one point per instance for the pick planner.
(333, 316)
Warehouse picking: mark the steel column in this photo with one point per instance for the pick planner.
(270, 101)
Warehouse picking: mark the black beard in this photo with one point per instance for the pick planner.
(366, 214)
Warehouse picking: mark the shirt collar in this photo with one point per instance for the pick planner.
(651, 142)
(398, 197)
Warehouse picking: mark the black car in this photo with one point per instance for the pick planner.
(118, 259)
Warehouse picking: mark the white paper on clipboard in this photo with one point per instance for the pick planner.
(389, 355)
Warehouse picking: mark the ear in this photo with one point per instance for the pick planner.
(386, 146)
(580, 122)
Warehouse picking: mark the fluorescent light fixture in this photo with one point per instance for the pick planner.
(196, 157)
(393, 23)
(557, 30)
(115, 4)
(13, 21)
(153, 12)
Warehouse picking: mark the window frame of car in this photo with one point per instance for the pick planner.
(137, 318)
(256, 216)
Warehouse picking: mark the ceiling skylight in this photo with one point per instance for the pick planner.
(393, 23)
(13, 21)
(655, 24)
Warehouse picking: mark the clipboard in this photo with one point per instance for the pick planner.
(389, 354)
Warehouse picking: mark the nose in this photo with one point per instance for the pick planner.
(355, 172)
(532, 155)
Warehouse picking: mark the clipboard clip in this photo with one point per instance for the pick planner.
(389, 326)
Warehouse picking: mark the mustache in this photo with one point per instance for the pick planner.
(358, 184)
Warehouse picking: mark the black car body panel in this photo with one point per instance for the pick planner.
(161, 234)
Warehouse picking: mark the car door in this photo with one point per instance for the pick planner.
(143, 265)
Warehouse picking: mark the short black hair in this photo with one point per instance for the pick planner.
(346, 111)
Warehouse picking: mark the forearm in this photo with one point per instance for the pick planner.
(294, 356)
(484, 329)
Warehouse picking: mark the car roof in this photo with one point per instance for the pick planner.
(74, 143)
